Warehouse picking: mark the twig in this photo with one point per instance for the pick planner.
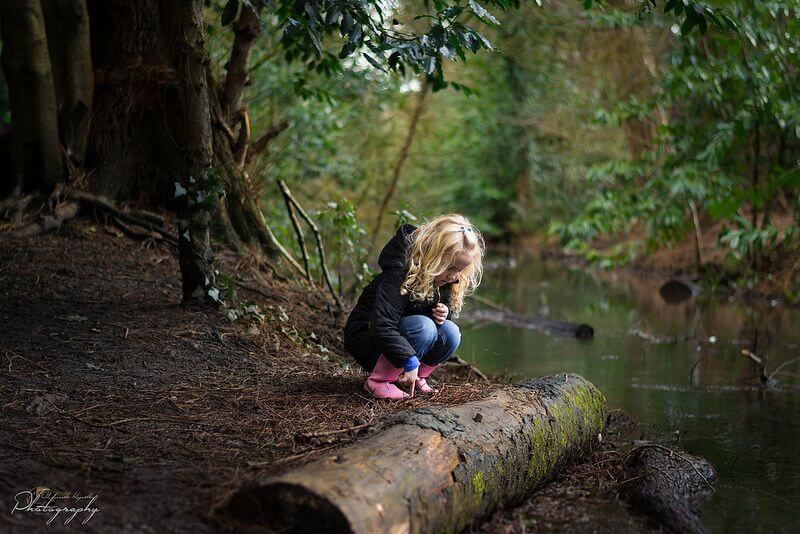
(291, 458)
(278, 245)
(226, 129)
(781, 366)
(298, 230)
(260, 291)
(676, 453)
(751, 447)
(130, 232)
(318, 237)
(752, 356)
(459, 361)
(258, 146)
(311, 435)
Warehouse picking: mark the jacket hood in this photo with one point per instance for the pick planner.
(394, 253)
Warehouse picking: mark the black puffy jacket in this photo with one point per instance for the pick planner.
(371, 328)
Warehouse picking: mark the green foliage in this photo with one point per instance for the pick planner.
(372, 30)
(536, 136)
(348, 243)
(404, 217)
(313, 30)
(203, 191)
(729, 146)
(744, 239)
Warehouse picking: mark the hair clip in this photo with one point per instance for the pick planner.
(464, 229)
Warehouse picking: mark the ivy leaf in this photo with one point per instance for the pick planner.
(482, 14)
(452, 12)
(374, 62)
(179, 190)
(229, 12)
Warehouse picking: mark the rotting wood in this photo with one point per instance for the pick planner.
(670, 486)
(434, 469)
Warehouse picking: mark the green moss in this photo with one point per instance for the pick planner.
(478, 483)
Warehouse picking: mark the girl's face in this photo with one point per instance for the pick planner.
(461, 262)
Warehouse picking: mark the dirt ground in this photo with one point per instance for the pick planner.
(110, 388)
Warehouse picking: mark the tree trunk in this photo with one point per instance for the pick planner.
(246, 29)
(189, 125)
(130, 150)
(519, 93)
(435, 469)
(241, 206)
(35, 150)
(67, 24)
(635, 73)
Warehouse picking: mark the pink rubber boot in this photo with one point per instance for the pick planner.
(379, 382)
(424, 372)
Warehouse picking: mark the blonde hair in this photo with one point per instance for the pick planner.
(434, 247)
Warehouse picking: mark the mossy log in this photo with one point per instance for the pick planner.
(435, 469)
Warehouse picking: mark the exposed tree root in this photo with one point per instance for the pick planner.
(14, 207)
(68, 204)
(49, 221)
(106, 205)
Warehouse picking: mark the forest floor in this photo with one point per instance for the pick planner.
(109, 387)
(154, 412)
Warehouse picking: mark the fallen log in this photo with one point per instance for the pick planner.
(670, 486)
(434, 469)
(554, 328)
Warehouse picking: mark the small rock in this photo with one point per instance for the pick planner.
(478, 417)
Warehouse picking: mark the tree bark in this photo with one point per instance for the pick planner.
(241, 207)
(670, 486)
(246, 30)
(36, 154)
(190, 127)
(130, 150)
(435, 469)
(67, 24)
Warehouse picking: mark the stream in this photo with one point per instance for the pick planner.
(678, 368)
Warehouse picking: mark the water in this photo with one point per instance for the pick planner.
(683, 375)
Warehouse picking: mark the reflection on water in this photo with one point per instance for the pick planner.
(678, 368)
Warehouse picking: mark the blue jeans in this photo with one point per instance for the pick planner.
(434, 343)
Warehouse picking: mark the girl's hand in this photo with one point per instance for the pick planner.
(440, 312)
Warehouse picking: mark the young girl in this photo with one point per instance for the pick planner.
(401, 322)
